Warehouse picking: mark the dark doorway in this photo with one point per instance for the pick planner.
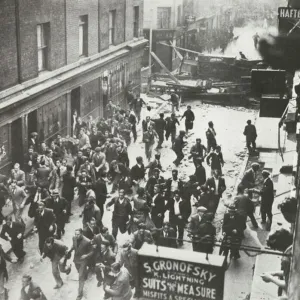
(17, 153)
(75, 101)
(32, 123)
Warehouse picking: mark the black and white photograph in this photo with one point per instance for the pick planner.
(149, 149)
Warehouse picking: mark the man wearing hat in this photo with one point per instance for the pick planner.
(206, 235)
(194, 226)
(178, 146)
(120, 288)
(33, 141)
(155, 164)
(233, 227)
(166, 236)
(251, 135)
(69, 184)
(267, 199)
(59, 206)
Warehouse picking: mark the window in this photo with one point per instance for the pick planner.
(136, 21)
(43, 32)
(112, 26)
(83, 35)
(163, 17)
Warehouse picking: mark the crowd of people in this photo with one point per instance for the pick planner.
(93, 166)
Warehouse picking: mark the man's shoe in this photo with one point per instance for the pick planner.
(79, 297)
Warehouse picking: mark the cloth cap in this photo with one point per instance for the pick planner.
(34, 134)
(265, 172)
(201, 209)
(97, 149)
(254, 165)
(54, 192)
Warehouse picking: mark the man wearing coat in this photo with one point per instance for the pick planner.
(44, 223)
(251, 135)
(59, 207)
(69, 184)
(14, 233)
(141, 236)
(158, 207)
(3, 273)
(18, 197)
(120, 288)
(30, 290)
(18, 175)
(100, 189)
(128, 257)
(56, 251)
(83, 252)
(179, 212)
(216, 186)
(173, 184)
(166, 237)
(178, 146)
(43, 175)
(267, 199)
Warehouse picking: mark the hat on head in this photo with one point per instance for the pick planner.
(255, 165)
(54, 192)
(201, 209)
(33, 134)
(232, 208)
(97, 149)
(181, 132)
(265, 172)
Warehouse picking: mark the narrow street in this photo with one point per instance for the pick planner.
(229, 123)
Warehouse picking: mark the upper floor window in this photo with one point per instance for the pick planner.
(43, 37)
(136, 21)
(112, 26)
(83, 35)
(163, 17)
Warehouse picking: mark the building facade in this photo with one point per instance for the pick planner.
(63, 56)
(166, 20)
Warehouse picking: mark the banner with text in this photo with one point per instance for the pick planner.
(170, 279)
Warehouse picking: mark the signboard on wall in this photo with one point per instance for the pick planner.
(174, 275)
(289, 20)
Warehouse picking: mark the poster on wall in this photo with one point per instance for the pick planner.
(174, 275)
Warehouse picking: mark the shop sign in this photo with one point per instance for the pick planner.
(288, 13)
(163, 34)
(174, 275)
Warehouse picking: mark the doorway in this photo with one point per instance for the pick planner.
(32, 123)
(17, 153)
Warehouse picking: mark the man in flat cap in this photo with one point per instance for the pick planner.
(194, 226)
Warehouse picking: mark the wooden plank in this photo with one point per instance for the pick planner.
(164, 67)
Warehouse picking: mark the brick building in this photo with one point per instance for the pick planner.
(62, 56)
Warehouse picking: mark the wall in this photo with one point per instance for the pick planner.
(8, 45)
(153, 4)
(130, 17)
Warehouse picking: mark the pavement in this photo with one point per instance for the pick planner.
(229, 124)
